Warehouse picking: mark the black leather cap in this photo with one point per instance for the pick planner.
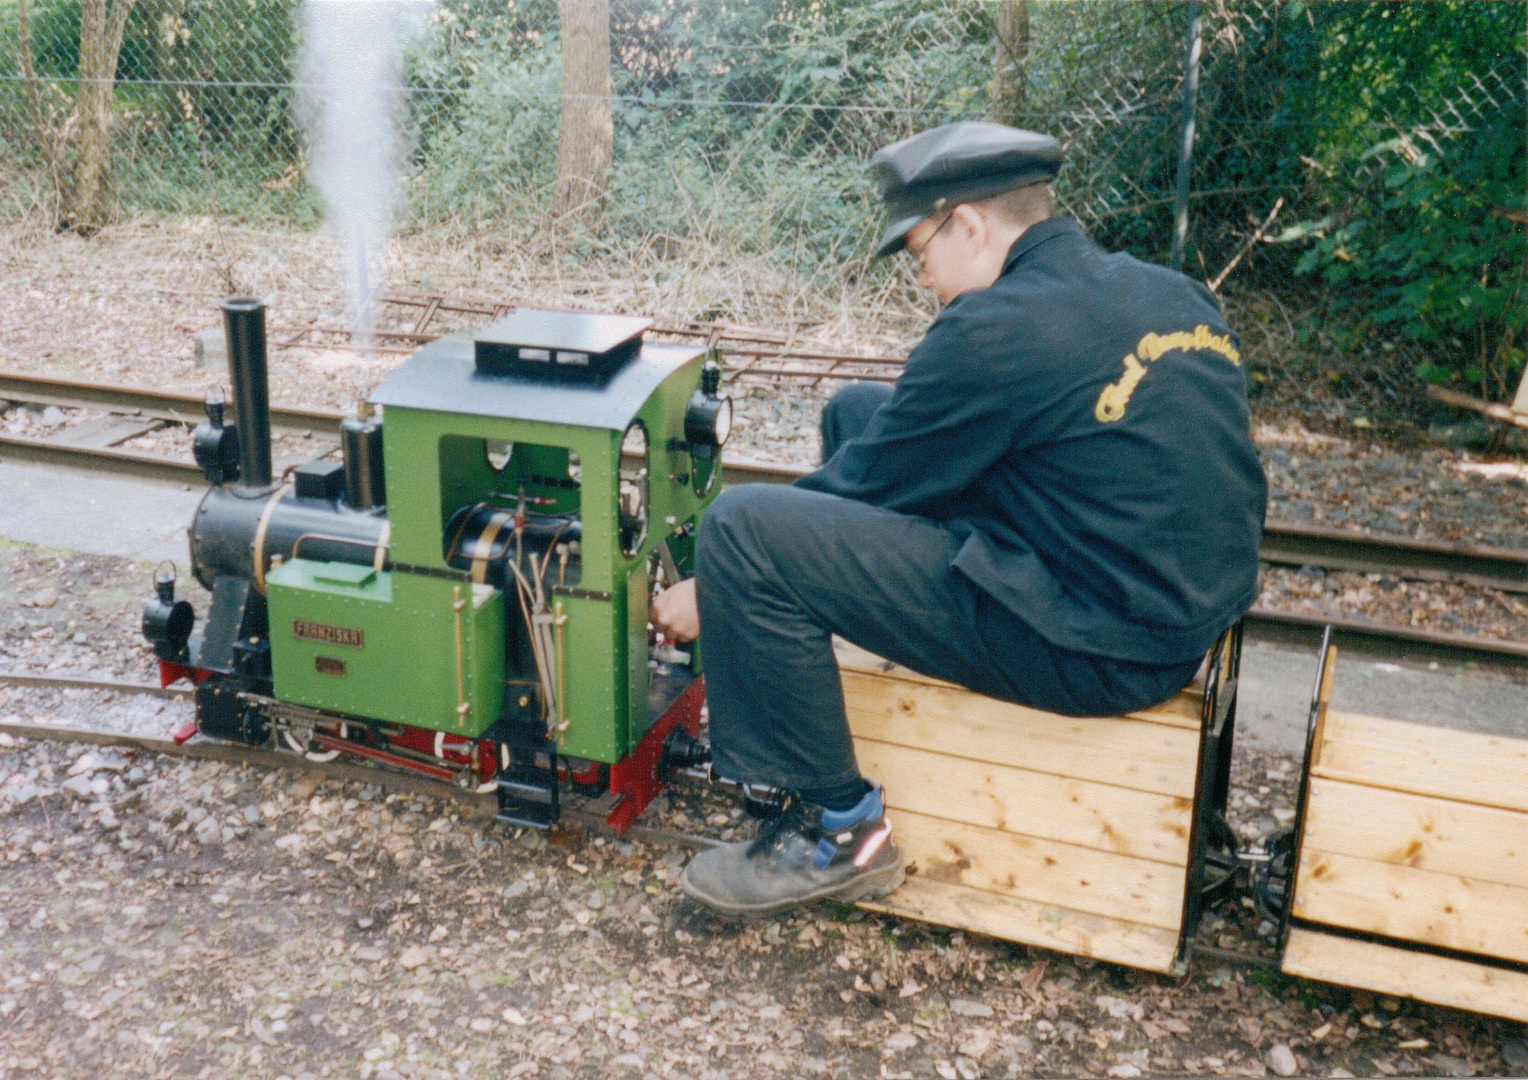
(956, 163)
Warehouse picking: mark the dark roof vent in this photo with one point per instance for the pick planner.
(560, 346)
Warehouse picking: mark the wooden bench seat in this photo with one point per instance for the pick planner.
(1413, 869)
(1071, 834)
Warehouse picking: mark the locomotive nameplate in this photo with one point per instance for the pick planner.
(328, 665)
(329, 635)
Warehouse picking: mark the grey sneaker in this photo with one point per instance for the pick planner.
(806, 853)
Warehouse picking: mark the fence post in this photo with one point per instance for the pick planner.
(1186, 149)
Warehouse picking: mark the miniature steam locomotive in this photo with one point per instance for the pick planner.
(465, 593)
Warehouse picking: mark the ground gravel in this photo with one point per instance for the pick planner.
(161, 917)
(1385, 599)
(166, 917)
(67, 613)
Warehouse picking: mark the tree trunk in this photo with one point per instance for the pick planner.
(1010, 54)
(587, 134)
(102, 23)
(29, 74)
(167, 17)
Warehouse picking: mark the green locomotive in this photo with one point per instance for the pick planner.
(466, 593)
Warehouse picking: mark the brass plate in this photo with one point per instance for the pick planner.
(329, 635)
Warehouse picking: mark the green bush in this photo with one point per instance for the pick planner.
(689, 159)
(1435, 261)
(1415, 245)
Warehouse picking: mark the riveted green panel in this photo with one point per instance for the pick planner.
(383, 645)
(636, 654)
(594, 671)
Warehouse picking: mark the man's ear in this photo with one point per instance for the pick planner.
(971, 222)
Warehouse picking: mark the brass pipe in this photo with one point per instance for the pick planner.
(379, 548)
(483, 547)
(457, 604)
(260, 531)
(380, 560)
(559, 620)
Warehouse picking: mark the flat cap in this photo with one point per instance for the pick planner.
(956, 163)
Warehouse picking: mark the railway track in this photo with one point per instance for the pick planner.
(204, 749)
(575, 810)
(125, 413)
(748, 353)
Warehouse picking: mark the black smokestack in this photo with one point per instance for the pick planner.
(244, 324)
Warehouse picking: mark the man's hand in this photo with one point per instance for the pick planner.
(674, 611)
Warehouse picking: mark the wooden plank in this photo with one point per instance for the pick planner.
(1045, 871)
(1148, 757)
(1183, 709)
(1419, 831)
(1323, 702)
(1488, 770)
(1403, 973)
(1414, 905)
(1014, 919)
(1180, 710)
(1101, 816)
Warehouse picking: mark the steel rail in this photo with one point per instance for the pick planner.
(76, 682)
(775, 362)
(1293, 544)
(1289, 543)
(205, 749)
(173, 406)
(111, 459)
(1386, 639)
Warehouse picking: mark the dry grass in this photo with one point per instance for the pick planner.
(126, 304)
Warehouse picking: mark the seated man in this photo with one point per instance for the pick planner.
(1057, 504)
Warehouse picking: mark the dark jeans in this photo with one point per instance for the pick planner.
(780, 570)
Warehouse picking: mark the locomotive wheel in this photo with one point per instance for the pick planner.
(1220, 860)
(1271, 879)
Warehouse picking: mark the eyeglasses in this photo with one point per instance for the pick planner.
(917, 253)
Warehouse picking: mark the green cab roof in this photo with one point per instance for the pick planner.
(443, 377)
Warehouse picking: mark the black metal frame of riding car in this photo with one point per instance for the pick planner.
(1213, 855)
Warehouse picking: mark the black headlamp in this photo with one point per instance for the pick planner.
(708, 417)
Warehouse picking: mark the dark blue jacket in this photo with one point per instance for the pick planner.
(1082, 424)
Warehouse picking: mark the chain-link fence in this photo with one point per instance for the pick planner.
(749, 123)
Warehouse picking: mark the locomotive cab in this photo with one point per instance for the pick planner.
(524, 512)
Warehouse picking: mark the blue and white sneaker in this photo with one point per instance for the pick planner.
(806, 853)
